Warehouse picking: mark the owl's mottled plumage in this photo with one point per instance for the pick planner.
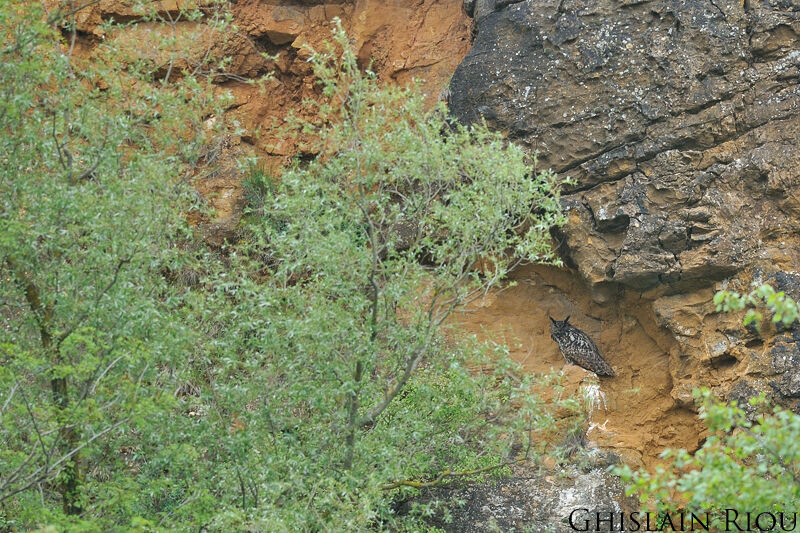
(578, 348)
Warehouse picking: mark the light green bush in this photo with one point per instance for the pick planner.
(371, 246)
(93, 153)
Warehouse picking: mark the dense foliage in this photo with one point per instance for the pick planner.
(285, 382)
(91, 157)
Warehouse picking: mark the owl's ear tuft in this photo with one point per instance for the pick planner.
(553, 320)
(567, 319)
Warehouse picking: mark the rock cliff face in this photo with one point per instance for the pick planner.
(681, 123)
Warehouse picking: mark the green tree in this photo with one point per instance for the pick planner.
(401, 219)
(400, 210)
(92, 155)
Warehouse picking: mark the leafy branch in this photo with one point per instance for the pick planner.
(783, 308)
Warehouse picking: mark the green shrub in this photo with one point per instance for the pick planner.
(372, 245)
(746, 464)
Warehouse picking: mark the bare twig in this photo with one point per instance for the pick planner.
(411, 365)
(10, 395)
(45, 455)
(42, 474)
(103, 373)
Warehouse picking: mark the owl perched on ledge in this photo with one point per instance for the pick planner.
(578, 348)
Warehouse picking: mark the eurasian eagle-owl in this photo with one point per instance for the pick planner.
(578, 348)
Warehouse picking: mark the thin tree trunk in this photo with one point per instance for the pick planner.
(352, 416)
(69, 480)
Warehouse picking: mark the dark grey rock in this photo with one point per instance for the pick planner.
(679, 119)
(530, 500)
